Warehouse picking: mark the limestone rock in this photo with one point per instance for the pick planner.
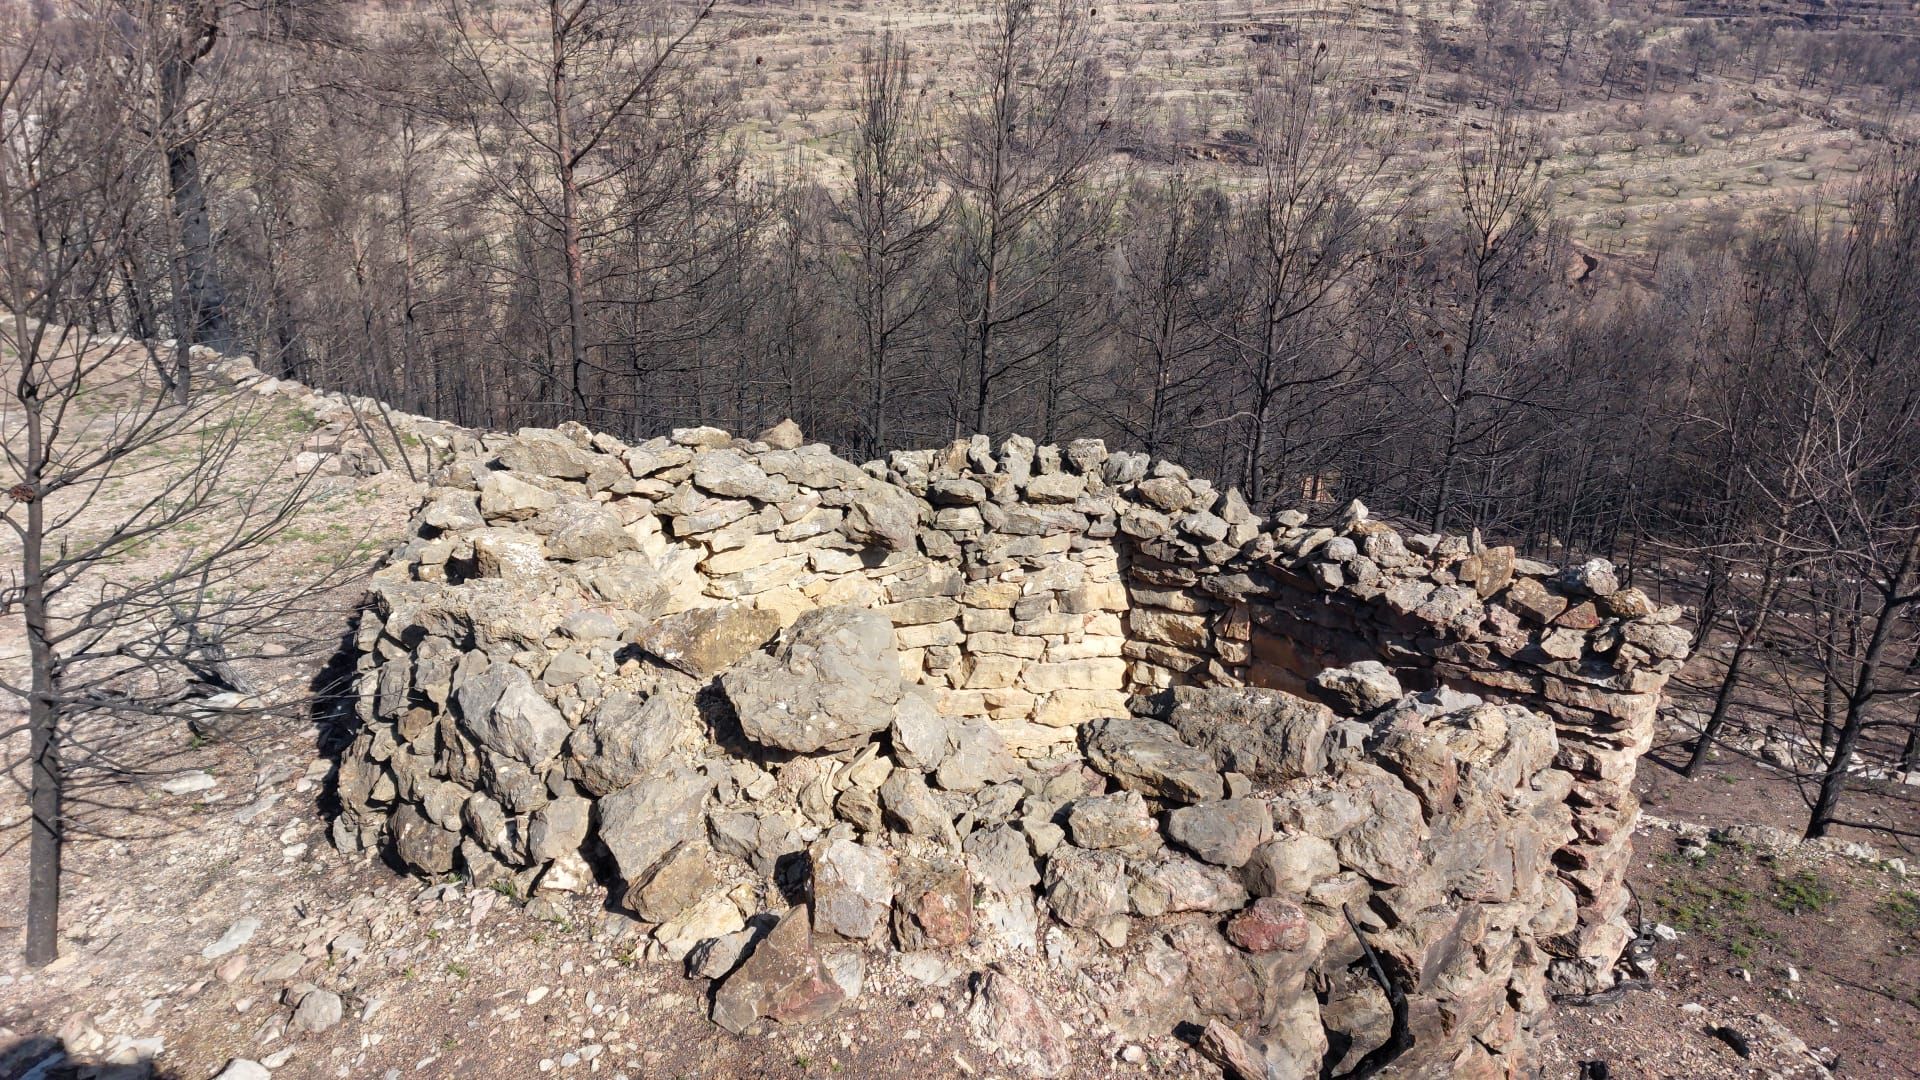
(934, 906)
(853, 887)
(1269, 924)
(1172, 883)
(1014, 1026)
(1224, 833)
(921, 736)
(1376, 824)
(914, 809)
(1218, 976)
(236, 937)
(831, 681)
(1359, 689)
(884, 515)
(1149, 757)
(1529, 598)
(577, 529)
(642, 822)
(501, 709)
(705, 641)
(1086, 888)
(1595, 577)
(785, 435)
(626, 738)
(506, 497)
(979, 757)
(729, 473)
(420, 843)
(1118, 822)
(318, 1010)
(1001, 860)
(538, 452)
(1268, 1059)
(712, 916)
(782, 979)
(453, 511)
(558, 828)
(1267, 735)
(1290, 865)
(673, 886)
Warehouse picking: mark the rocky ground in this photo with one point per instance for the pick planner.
(210, 929)
(185, 945)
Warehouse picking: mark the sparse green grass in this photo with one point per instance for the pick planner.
(1902, 909)
(1803, 893)
(1705, 895)
(1704, 906)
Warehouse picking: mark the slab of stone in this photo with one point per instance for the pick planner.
(1224, 833)
(853, 887)
(1013, 1025)
(706, 641)
(503, 711)
(783, 980)
(1118, 822)
(1149, 757)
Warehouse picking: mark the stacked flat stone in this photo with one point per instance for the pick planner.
(947, 697)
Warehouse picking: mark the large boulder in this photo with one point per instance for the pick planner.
(502, 710)
(1086, 888)
(640, 823)
(1224, 833)
(704, 641)
(1118, 822)
(626, 738)
(1267, 735)
(1149, 757)
(853, 887)
(831, 682)
(934, 907)
(1358, 689)
(420, 843)
(883, 515)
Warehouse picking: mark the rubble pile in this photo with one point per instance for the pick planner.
(995, 702)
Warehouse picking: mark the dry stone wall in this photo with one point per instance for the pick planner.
(1015, 699)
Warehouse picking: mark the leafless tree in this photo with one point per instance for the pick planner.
(1322, 212)
(886, 229)
(563, 133)
(102, 460)
(1857, 287)
(1476, 313)
(1029, 128)
(1165, 309)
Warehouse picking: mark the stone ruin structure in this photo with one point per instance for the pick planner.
(1017, 701)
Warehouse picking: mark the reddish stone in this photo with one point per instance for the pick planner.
(1581, 616)
(1269, 924)
(934, 907)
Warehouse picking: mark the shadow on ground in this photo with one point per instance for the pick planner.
(45, 1057)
